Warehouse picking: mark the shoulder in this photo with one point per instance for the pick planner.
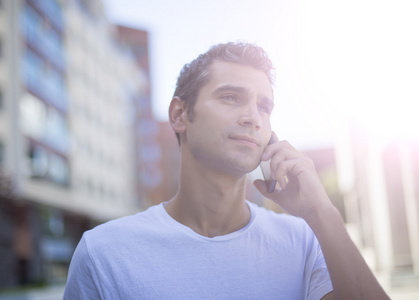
(123, 229)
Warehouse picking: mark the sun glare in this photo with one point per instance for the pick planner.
(363, 60)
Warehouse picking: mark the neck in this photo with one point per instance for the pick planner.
(210, 203)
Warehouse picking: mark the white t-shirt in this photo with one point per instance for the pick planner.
(151, 256)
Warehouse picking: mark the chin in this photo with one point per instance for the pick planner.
(244, 169)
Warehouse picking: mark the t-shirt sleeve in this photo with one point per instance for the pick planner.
(82, 281)
(320, 283)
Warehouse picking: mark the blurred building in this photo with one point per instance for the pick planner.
(148, 147)
(168, 165)
(68, 90)
(380, 184)
(103, 85)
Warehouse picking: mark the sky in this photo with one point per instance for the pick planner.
(335, 60)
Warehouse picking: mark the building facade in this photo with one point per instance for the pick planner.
(148, 148)
(67, 92)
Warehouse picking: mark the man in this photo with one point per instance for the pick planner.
(208, 242)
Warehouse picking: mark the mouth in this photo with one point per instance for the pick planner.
(247, 140)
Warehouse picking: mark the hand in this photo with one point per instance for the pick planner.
(301, 192)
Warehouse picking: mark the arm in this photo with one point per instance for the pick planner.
(303, 195)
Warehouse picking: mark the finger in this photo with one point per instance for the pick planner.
(284, 168)
(289, 146)
(261, 186)
(274, 137)
(277, 195)
(281, 155)
(271, 149)
(272, 140)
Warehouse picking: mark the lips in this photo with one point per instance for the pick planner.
(246, 139)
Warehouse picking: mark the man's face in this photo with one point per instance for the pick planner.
(231, 124)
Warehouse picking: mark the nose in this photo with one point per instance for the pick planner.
(250, 117)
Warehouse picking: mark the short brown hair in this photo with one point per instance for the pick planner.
(196, 74)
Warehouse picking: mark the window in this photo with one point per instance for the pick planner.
(58, 170)
(39, 161)
(47, 165)
(56, 131)
(34, 116)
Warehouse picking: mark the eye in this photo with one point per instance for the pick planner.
(231, 97)
(265, 108)
(265, 105)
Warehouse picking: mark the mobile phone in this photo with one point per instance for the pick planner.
(265, 166)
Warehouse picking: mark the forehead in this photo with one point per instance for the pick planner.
(235, 74)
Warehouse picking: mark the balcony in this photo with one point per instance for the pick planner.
(48, 86)
(46, 42)
(52, 11)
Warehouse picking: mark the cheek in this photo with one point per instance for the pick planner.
(201, 133)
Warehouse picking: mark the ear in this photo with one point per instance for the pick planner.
(178, 115)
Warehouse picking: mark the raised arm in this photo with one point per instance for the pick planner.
(303, 195)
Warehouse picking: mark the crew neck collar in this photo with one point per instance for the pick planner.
(187, 230)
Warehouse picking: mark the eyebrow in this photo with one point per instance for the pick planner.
(232, 88)
(243, 91)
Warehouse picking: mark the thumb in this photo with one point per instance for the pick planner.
(261, 186)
